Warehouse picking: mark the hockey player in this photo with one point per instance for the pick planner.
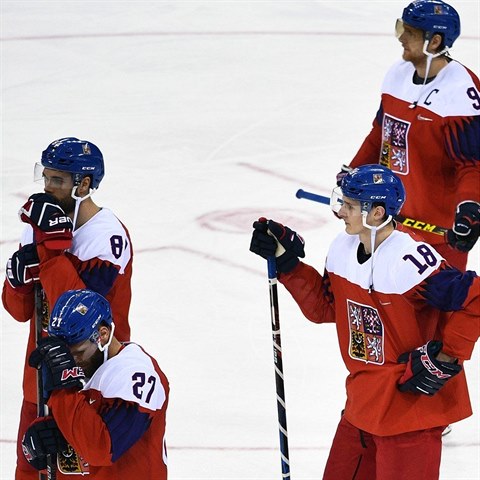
(69, 242)
(427, 129)
(385, 290)
(107, 399)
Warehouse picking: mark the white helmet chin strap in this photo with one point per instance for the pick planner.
(78, 201)
(373, 229)
(104, 348)
(430, 57)
(373, 236)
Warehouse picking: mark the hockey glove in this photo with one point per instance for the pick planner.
(466, 227)
(50, 224)
(42, 438)
(59, 369)
(271, 238)
(425, 374)
(22, 268)
(344, 171)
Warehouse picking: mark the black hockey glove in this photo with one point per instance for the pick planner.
(271, 238)
(59, 369)
(344, 171)
(22, 268)
(425, 374)
(42, 438)
(50, 224)
(466, 227)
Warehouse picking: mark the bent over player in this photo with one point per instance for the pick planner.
(385, 290)
(107, 399)
(69, 242)
(427, 130)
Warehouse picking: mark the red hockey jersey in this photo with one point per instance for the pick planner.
(435, 147)
(116, 423)
(383, 309)
(100, 259)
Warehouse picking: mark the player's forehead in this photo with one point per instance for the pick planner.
(412, 30)
(350, 201)
(52, 173)
(82, 347)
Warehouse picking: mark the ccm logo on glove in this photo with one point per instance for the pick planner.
(428, 364)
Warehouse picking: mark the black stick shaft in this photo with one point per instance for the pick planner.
(42, 409)
(277, 357)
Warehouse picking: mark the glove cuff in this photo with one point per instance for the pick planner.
(21, 289)
(287, 262)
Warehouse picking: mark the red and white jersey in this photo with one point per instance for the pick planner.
(102, 237)
(379, 320)
(116, 424)
(100, 259)
(434, 147)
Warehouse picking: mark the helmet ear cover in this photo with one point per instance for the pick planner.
(78, 177)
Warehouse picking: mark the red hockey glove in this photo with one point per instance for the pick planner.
(42, 438)
(424, 374)
(271, 238)
(23, 267)
(50, 224)
(466, 227)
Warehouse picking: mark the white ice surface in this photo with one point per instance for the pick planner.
(209, 114)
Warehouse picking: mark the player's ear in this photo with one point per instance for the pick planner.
(104, 332)
(380, 213)
(436, 42)
(84, 186)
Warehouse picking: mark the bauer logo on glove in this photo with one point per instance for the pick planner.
(51, 225)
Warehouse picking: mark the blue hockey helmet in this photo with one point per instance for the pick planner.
(433, 16)
(370, 184)
(79, 157)
(77, 315)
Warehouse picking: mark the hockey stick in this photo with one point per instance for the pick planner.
(277, 358)
(42, 409)
(407, 221)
